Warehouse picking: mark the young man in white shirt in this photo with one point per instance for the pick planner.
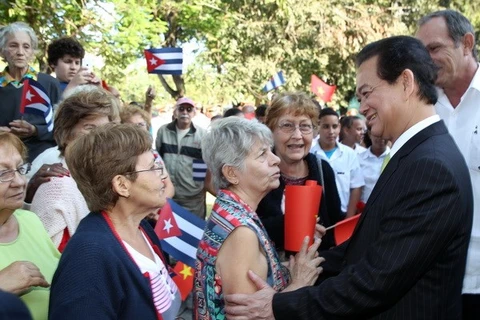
(343, 160)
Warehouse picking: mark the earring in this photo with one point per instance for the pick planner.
(234, 182)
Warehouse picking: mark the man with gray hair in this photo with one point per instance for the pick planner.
(450, 40)
(179, 144)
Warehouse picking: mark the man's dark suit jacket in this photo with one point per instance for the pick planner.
(406, 258)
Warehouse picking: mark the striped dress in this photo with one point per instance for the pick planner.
(228, 213)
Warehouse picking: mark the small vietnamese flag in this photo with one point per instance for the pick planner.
(167, 226)
(321, 89)
(183, 278)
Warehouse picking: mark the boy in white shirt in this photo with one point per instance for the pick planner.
(343, 160)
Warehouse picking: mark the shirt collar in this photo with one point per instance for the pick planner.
(6, 78)
(413, 130)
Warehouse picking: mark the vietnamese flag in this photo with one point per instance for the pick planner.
(183, 278)
(167, 226)
(321, 89)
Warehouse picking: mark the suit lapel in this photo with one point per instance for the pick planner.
(434, 129)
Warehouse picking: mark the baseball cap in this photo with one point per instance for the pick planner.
(185, 100)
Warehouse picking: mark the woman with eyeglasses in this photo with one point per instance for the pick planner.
(58, 202)
(292, 118)
(113, 267)
(28, 258)
(132, 114)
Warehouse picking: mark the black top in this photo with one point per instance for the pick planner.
(10, 99)
(270, 212)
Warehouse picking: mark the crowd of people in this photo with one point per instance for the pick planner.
(78, 203)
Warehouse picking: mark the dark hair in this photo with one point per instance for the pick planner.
(328, 112)
(60, 47)
(232, 112)
(346, 122)
(458, 25)
(395, 54)
(260, 111)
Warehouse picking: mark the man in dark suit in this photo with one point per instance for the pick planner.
(406, 258)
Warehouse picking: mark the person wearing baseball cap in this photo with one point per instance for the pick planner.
(179, 144)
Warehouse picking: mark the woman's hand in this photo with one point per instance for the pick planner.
(22, 129)
(304, 267)
(320, 231)
(43, 175)
(20, 276)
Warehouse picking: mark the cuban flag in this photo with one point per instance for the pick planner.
(185, 230)
(164, 60)
(36, 101)
(275, 82)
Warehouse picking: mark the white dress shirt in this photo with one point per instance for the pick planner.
(463, 123)
(371, 166)
(348, 174)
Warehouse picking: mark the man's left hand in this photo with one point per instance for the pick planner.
(251, 306)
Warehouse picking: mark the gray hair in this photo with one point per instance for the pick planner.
(12, 28)
(229, 142)
(458, 25)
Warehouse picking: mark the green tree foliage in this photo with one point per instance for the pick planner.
(116, 30)
(242, 42)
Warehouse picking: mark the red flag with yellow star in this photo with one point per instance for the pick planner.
(183, 279)
(321, 89)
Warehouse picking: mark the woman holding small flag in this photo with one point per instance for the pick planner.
(18, 43)
(238, 153)
(113, 267)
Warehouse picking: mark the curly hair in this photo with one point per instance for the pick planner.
(63, 46)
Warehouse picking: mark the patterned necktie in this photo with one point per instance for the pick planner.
(385, 162)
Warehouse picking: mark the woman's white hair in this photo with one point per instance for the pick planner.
(229, 142)
(12, 28)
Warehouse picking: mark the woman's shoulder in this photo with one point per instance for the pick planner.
(25, 216)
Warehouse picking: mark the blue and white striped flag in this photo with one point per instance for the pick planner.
(199, 170)
(184, 247)
(164, 60)
(275, 82)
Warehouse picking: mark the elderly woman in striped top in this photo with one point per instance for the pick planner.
(238, 152)
(113, 267)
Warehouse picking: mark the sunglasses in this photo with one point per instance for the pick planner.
(183, 108)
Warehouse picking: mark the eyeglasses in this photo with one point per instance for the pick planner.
(9, 175)
(157, 167)
(183, 108)
(289, 127)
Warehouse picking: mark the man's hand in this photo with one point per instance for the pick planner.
(22, 129)
(251, 306)
(5, 129)
(20, 276)
(43, 175)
